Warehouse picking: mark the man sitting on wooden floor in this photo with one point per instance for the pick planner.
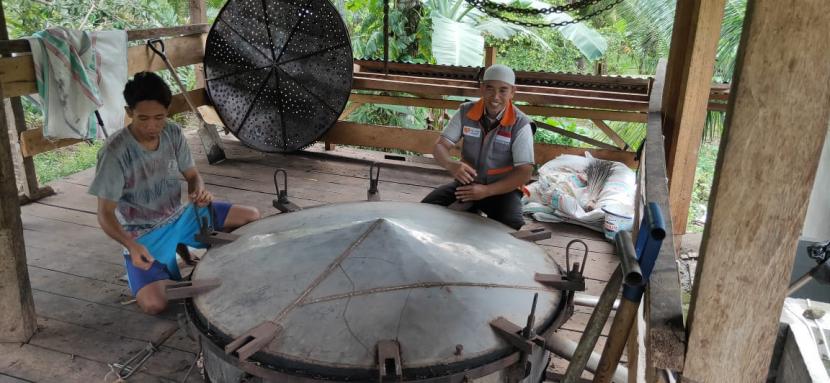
(139, 194)
(496, 155)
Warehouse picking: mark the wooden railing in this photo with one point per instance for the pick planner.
(665, 332)
(184, 46)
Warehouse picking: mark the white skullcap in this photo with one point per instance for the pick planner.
(500, 72)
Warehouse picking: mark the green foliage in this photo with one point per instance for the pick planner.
(548, 137)
(403, 116)
(25, 17)
(704, 175)
(65, 161)
(523, 52)
(364, 19)
(730, 38)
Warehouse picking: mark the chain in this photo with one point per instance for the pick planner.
(483, 6)
(575, 6)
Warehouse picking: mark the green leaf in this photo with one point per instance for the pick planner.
(586, 39)
(456, 43)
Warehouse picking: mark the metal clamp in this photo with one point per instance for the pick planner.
(523, 339)
(207, 234)
(253, 340)
(188, 289)
(573, 280)
(389, 361)
(282, 203)
(533, 235)
(374, 176)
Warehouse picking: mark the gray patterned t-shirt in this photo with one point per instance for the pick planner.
(145, 184)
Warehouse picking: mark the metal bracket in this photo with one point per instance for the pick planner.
(533, 235)
(389, 361)
(374, 176)
(568, 282)
(188, 289)
(253, 340)
(524, 339)
(573, 280)
(282, 203)
(512, 333)
(213, 237)
(206, 233)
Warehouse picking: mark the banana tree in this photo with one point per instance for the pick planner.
(459, 29)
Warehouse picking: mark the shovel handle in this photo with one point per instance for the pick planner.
(160, 52)
(154, 45)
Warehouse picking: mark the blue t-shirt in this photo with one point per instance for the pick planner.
(145, 183)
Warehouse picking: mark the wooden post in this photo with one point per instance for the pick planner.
(489, 56)
(14, 117)
(776, 123)
(209, 137)
(17, 308)
(198, 15)
(689, 79)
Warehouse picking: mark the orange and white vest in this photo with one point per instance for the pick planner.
(489, 153)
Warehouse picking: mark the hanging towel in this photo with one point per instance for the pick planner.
(77, 73)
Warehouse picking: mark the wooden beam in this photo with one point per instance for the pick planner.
(610, 133)
(423, 141)
(470, 73)
(350, 109)
(32, 141)
(489, 56)
(530, 97)
(22, 45)
(198, 15)
(17, 308)
(609, 94)
(686, 111)
(32, 191)
(522, 77)
(533, 110)
(663, 305)
(575, 136)
(777, 121)
(15, 117)
(18, 75)
(328, 145)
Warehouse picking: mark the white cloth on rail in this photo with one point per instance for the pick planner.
(77, 73)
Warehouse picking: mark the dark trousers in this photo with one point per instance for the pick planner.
(505, 208)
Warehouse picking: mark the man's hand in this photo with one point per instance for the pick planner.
(462, 172)
(472, 192)
(201, 197)
(140, 257)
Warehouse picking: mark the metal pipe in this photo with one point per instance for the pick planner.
(632, 274)
(566, 348)
(594, 328)
(587, 300)
(806, 278)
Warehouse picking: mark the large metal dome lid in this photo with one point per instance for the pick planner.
(279, 72)
(427, 276)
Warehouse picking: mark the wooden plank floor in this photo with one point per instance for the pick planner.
(84, 319)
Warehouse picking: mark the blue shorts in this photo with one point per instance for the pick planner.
(161, 243)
